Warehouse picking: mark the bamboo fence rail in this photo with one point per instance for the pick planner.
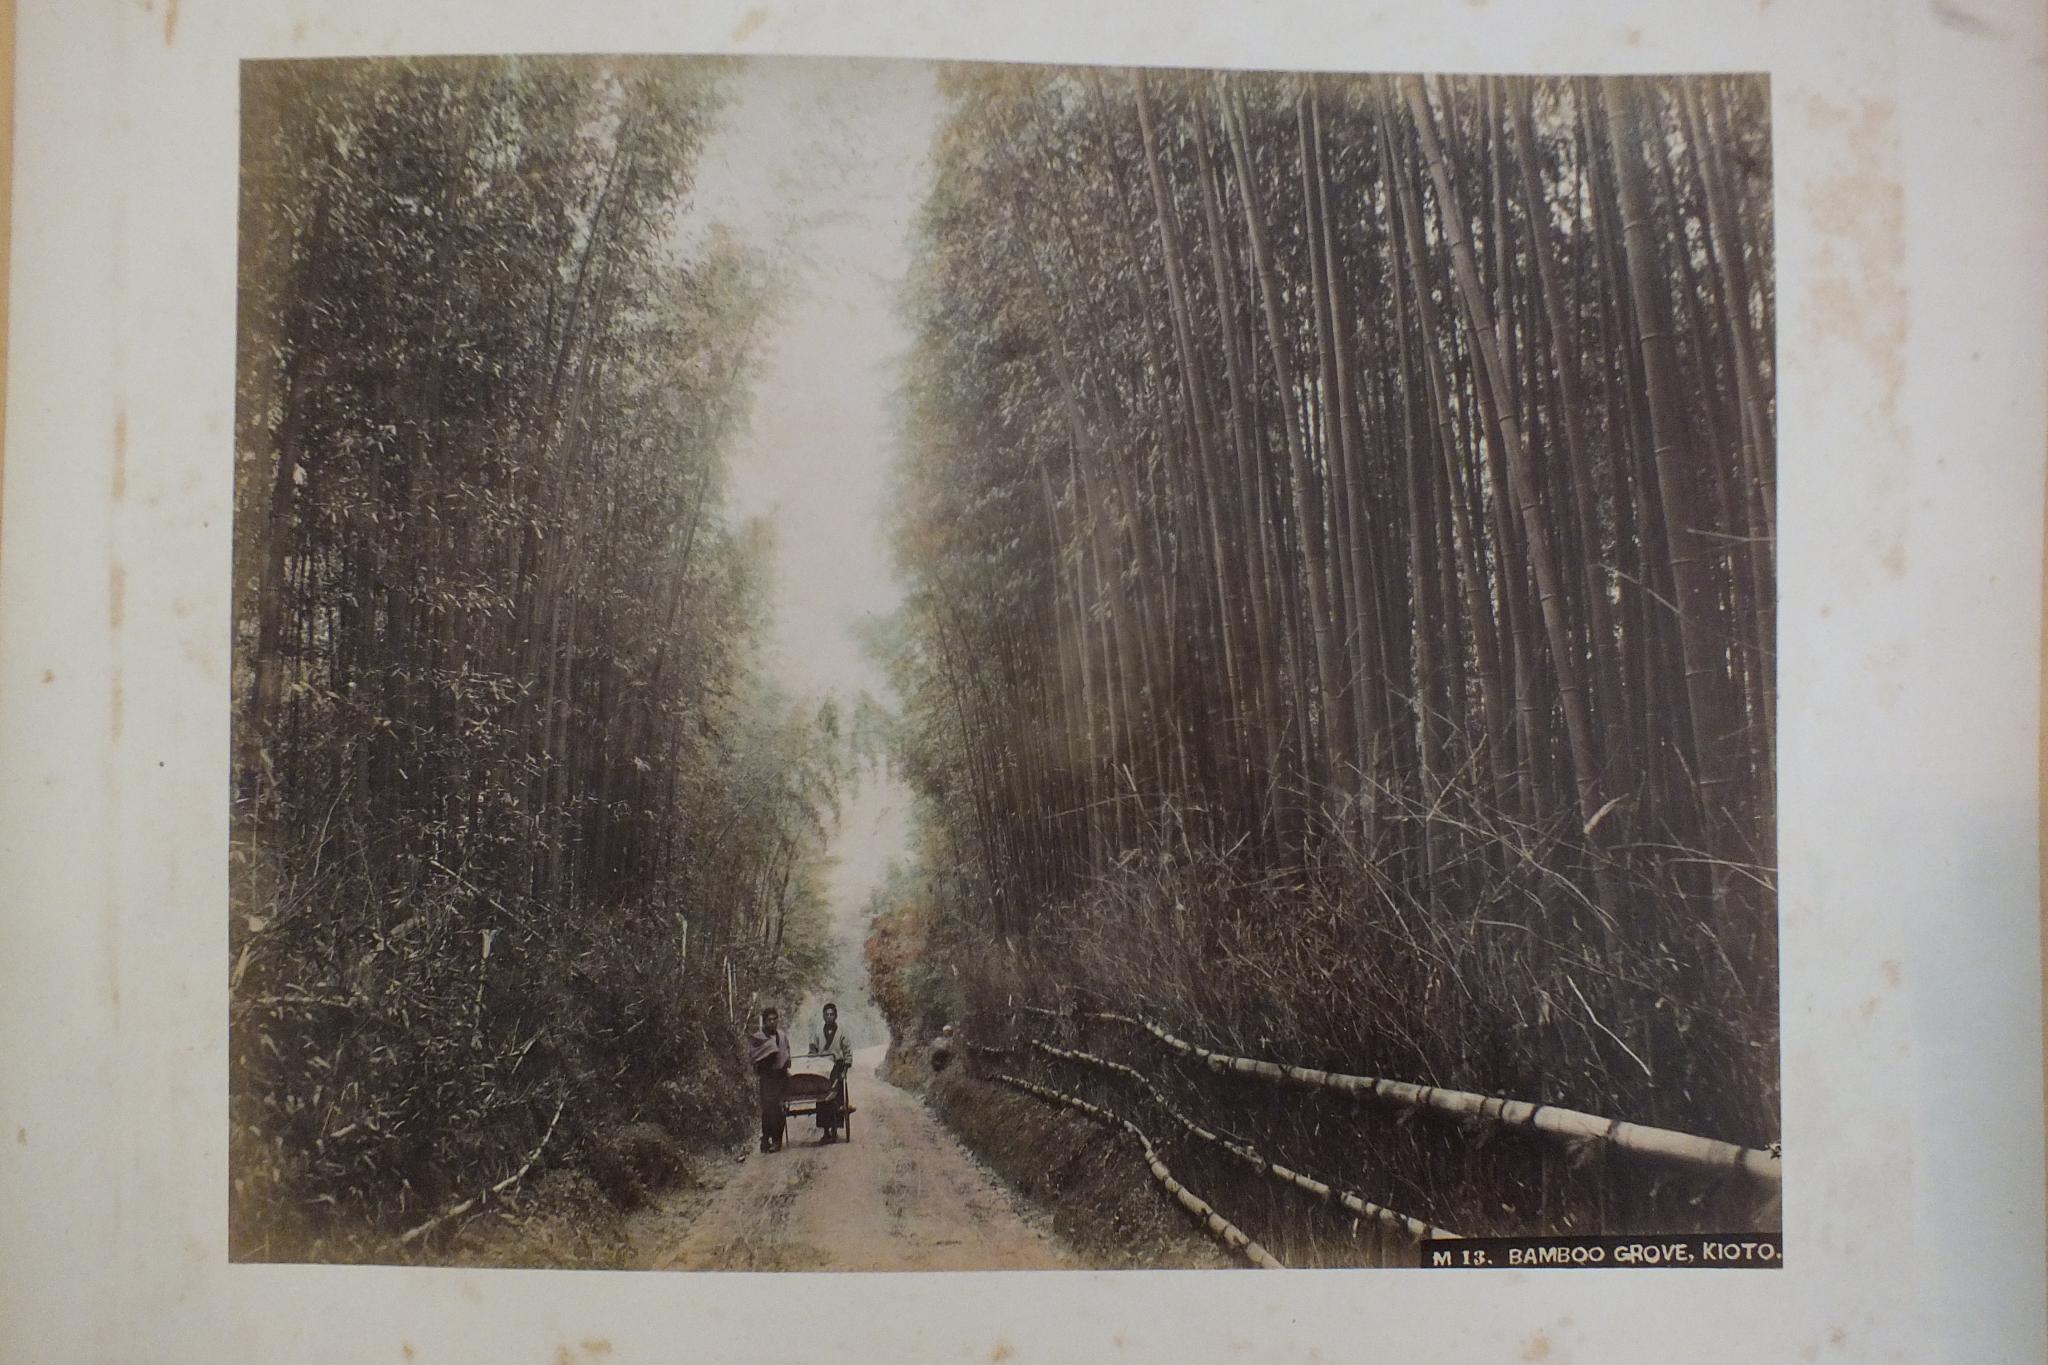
(1569, 1125)
(1220, 1227)
(1320, 1190)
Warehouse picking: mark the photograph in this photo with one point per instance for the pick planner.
(862, 664)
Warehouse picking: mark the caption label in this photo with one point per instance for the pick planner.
(1682, 1251)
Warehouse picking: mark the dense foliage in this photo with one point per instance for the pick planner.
(519, 829)
(1339, 518)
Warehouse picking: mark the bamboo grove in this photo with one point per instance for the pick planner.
(1339, 516)
(517, 824)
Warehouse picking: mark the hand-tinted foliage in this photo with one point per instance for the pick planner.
(517, 823)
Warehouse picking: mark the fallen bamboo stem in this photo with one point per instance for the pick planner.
(1415, 1228)
(1571, 1125)
(1220, 1227)
(503, 1185)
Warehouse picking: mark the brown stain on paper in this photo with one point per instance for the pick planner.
(170, 23)
(749, 24)
(1857, 286)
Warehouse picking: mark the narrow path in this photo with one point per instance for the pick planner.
(903, 1195)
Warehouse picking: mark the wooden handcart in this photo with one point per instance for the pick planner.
(813, 1089)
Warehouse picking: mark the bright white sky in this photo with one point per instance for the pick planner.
(823, 164)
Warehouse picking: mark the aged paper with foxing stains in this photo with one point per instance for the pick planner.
(1909, 225)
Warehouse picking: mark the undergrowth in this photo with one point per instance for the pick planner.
(1510, 982)
(392, 1057)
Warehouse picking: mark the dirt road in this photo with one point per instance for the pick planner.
(903, 1195)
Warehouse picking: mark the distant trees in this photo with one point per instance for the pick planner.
(1361, 486)
(515, 819)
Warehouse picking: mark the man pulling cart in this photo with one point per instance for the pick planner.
(832, 1044)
